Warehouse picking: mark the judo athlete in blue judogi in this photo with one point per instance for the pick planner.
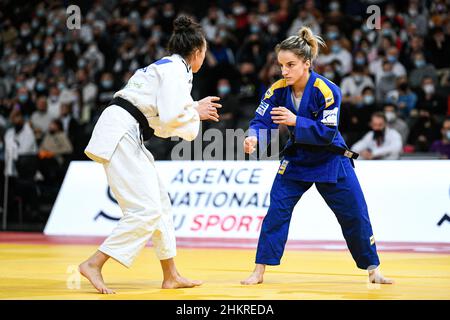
(316, 153)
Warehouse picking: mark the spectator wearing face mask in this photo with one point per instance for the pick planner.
(337, 52)
(421, 69)
(40, 119)
(24, 102)
(19, 141)
(52, 152)
(54, 102)
(377, 68)
(395, 122)
(381, 143)
(423, 131)
(386, 83)
(439, 47)
(352, 85)
(442, 146)
(229, 103)
(415, 14)
(403, 97)
(106, 90)
(355, 118)
(429, 99)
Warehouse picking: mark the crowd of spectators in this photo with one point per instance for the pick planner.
(56, 81)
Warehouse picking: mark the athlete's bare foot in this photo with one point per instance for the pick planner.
(256, 277)
(94, 275)
(375, 276)
(178, 282)
(253, 279)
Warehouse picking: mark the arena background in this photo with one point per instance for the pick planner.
(60, 67)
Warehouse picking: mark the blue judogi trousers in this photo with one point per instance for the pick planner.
(345, 198)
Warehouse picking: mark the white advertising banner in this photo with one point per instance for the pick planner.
(408, 201)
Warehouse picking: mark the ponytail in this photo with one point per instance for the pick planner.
(305, 44)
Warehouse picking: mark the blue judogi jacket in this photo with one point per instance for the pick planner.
(316, 125)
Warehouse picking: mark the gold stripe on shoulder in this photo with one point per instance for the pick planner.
(326, 92)
(277, 85)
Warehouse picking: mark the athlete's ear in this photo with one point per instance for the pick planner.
(308, 63)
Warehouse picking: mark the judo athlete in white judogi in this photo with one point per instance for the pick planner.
(160, 96)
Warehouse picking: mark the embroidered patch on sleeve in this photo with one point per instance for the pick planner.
(330, 117)
(283, 166)
(262, 108)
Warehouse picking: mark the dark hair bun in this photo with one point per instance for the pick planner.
(182, 24)
(186, 37)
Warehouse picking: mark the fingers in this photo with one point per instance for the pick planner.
(214, 98)
(216, 105)
(213, 117)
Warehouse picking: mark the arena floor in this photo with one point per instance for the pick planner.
(40, 267)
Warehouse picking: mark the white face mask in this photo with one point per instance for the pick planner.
(428, 88)
(390, 116)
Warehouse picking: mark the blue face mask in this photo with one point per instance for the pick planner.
(254, 28)
(23, 98)
(107, 84)
(223, 90)
(61, 86)
(40, 86)
(369, 99)
(448, 134)
(360, 61)
(391, 59)
(419, 63)
(335, 48)
(333, 35)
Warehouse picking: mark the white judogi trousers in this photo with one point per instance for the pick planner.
(144, 201)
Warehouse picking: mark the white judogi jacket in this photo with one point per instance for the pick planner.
(162, 92)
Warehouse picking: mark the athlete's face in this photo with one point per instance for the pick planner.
(293, 68)
(197, 58)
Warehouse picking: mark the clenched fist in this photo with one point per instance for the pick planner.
(250, 144)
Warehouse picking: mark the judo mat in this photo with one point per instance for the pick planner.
(34, 266)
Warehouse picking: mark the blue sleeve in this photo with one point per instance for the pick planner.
(323, 129)
(262, 124)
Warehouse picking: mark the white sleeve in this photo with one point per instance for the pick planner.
(391, 146)
(176, 108)
(362, 144)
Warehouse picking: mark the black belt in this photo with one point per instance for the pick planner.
(145, 129)
(314, 148)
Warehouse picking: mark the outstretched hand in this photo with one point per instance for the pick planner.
(207, 108)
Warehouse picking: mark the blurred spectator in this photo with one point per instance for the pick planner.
(378, 70)
(40, 119)
(337, 53)
(438, 46)
(424, 131)
(54, 102)
(304, 18)
(382, 143)
(52, 152)
(430, 99)
(352, 85)
(420, 70)
(386, 83)
(403, 97)
(443, 146)
(19, 142)
(395, 122)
